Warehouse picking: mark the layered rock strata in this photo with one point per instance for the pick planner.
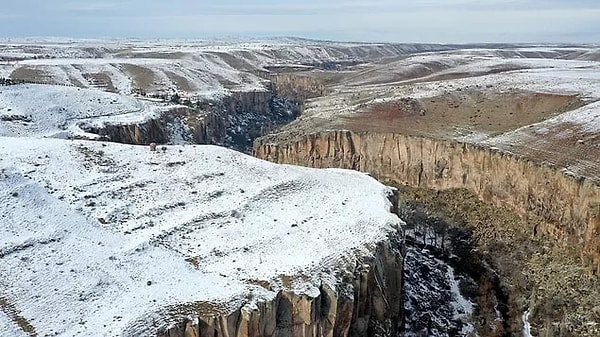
(366, 301)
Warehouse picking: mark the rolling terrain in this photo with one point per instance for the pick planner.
(515, 128)
(493, 150)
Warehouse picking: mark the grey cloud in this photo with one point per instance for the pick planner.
(415, 21)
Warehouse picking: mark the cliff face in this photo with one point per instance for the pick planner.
(367, 301)
(297, 87)
(235, 121)
(249, 115)
(176, 123)
(569, 206)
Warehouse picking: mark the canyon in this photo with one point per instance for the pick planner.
(492, 150)
(514, 135)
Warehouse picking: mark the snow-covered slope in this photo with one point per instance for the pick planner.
(98, 239)
(57, 111)
(192, 68)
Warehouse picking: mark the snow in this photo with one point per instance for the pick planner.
(204, 64)
(433, 303)
(82, 221)
(56, 111)
(9, 328)
(526, 326)
(586, 118)
(465, 70)
(463, 308)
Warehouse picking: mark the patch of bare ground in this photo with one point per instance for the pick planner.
(527, 271)
(151, 55)
(431, 71)
(567, 145)
(501, 68)
(235, 62)
(30, 74)
(15, 316)
(143, 78)
(390, 74)
(226, 83)
(182, 83)
(100, 80)
(454, 113)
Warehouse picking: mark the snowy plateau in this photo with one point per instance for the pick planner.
(101, 239)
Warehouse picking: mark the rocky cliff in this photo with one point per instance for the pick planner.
(366, 301)
(175, 123)
(569, 206)
(234, 121)
(297, 87)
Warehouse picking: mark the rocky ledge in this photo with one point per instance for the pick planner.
(361, 299)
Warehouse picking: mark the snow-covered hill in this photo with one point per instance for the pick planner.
(192, 68)
(97, 238)
(57, 111)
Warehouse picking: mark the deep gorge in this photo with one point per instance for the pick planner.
(522, 216)
(233, 121)
(509, 206)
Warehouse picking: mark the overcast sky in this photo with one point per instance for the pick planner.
(449, 21)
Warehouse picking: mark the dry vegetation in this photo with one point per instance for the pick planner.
(535, 272)
(461, 112)
(16, 317)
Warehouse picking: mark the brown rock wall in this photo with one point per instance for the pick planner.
(570, 206)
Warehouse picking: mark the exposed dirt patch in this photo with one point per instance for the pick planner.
(235, 62)
(16, 317)
(151, 55)
(143, 78)
(29, 74)
(567, 144)
(423, 72)
(392, 74)
(458, 75)
(15, 118)
(462, 112)
(182, 83)
(100, 80)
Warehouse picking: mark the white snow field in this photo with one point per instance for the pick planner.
(103, 238)
(191, 68)
(57, 111)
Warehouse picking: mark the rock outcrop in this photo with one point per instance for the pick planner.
(297, 87)
(234, 121)
(569, 206)
(367, 301)
(175, 123)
